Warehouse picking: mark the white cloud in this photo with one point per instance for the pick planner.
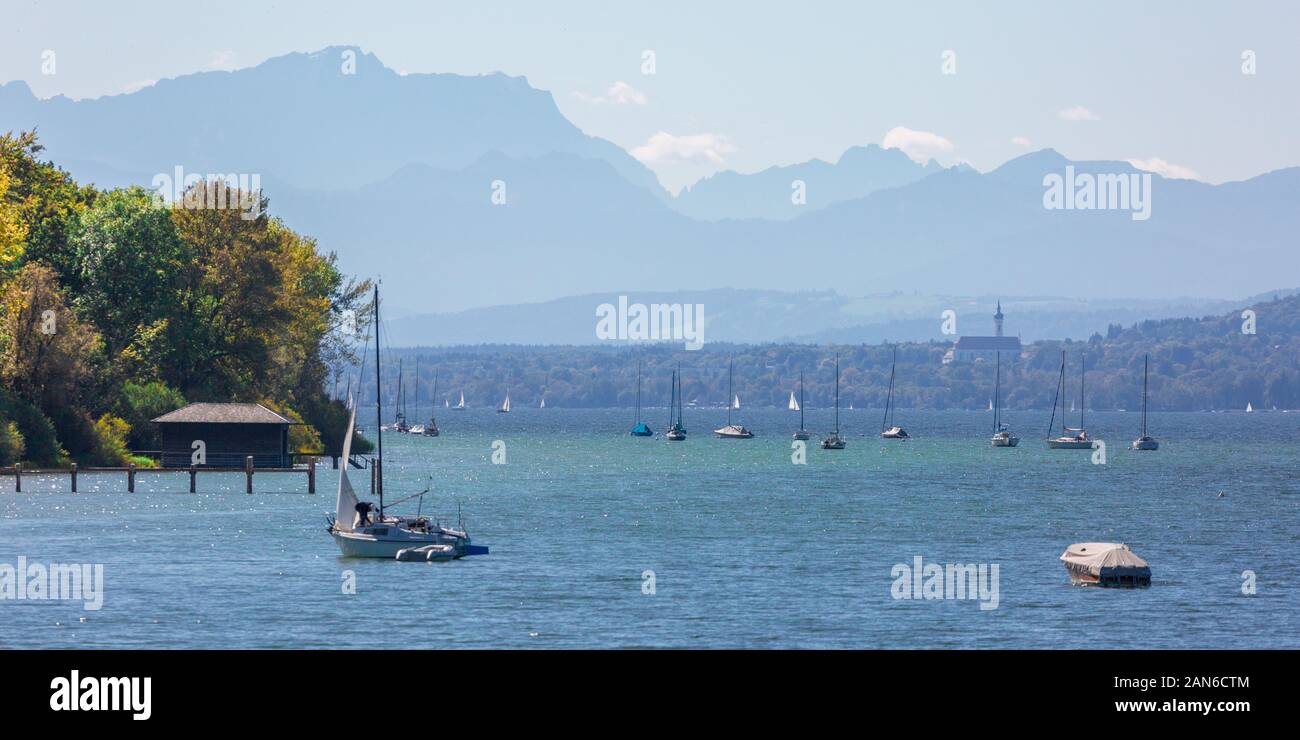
(921, 146)
(693, 148)
(619, 93)
(1077, 113)
(1022, 141)
(1165, 169)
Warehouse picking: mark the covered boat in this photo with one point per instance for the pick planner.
(1105, 564)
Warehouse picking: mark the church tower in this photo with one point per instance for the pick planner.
(997, 320)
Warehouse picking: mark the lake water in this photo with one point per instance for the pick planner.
(747, 549)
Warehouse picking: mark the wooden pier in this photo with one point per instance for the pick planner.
(18, 472)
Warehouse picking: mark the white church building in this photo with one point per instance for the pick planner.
(971, 349)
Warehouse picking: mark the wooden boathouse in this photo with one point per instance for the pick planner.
(227, 434)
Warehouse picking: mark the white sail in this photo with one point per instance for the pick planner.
(542, 405)
(794, 404)
(735, 402)
(990, 404)
(1249, 408)
(461, 405)
(446, 403)
(505, 405)
(345, 507)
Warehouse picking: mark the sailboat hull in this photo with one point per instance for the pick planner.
(1005, 441)
(833, 443)
(1146, 444)
(733, 431)
(894, 433)
(802, 435)
(1066, 443)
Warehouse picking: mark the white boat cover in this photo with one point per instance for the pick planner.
(345, 508)
(1096, 556)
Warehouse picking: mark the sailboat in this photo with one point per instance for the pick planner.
(676, 430)
(431, 429)
(803, 432)
(1002, 436)
(641, 429)
(889, 430)
(834, 442)
(732, 431)
(794, 404)
(417, 428)
(1070, 439)
(1145, 442)
(505, 405)
(460, 406)
(400, 426)
(1249, 409)
(542, 405)
(357, 534)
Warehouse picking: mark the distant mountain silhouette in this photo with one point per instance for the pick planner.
(396, 174)
(860, 171)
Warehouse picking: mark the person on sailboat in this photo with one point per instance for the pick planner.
(363, 514)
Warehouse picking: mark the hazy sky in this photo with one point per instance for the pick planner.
(747, 85)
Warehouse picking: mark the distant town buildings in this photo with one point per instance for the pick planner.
(971, 349)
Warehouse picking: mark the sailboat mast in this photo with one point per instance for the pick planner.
(997, 387)
(889, 399)
(379, 415)
(837, 395)
(1146, 362)
(1057, 399)
(417, 386)
(1083, 374)
(638, 391)
(731, 367)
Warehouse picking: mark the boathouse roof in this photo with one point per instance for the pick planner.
(223, 413)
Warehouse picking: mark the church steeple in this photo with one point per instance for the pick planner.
(997, 320)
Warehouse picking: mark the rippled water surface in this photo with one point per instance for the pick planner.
(747, 549)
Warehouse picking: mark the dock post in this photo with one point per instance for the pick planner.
(130, 478)
(248, 473)
(193, 474)
(334, 459)
(74, 477)
(18, 478)
(311, 474)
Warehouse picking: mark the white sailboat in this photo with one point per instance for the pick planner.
(1249, 409)
(1002, 436)
(1145, 442)
(358, 534)
(732, 431)
(794, 404)
(889, 430)
(542, 405)
(460, 406)
(505, 405)
(803, 433)
(1071, 438)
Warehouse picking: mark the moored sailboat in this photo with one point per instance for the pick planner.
(732, 431)
(1071, 438)
(834, 441)
(889, 430)
(641, 429)
(676, 429)
(1145, 442)
(1002, 436)
(431, 429)
(357, 533)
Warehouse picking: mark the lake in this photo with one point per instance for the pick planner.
(601, 540)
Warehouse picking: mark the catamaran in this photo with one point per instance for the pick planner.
(676, 430)
(803, 432)
(357, 533)
(1071, 438)
(834, 441)
(1145, 442)
(732, 431)
(641, 429)
(1002, 436)
(889, 430)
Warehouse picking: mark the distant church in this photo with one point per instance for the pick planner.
(970, 349)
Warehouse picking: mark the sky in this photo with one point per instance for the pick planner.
(750, 85)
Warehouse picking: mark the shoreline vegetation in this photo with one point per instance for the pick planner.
(115, 309)
(1197, 364)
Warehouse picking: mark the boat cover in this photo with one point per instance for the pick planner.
(1094, 557)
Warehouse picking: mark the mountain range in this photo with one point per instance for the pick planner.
(465, 192)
